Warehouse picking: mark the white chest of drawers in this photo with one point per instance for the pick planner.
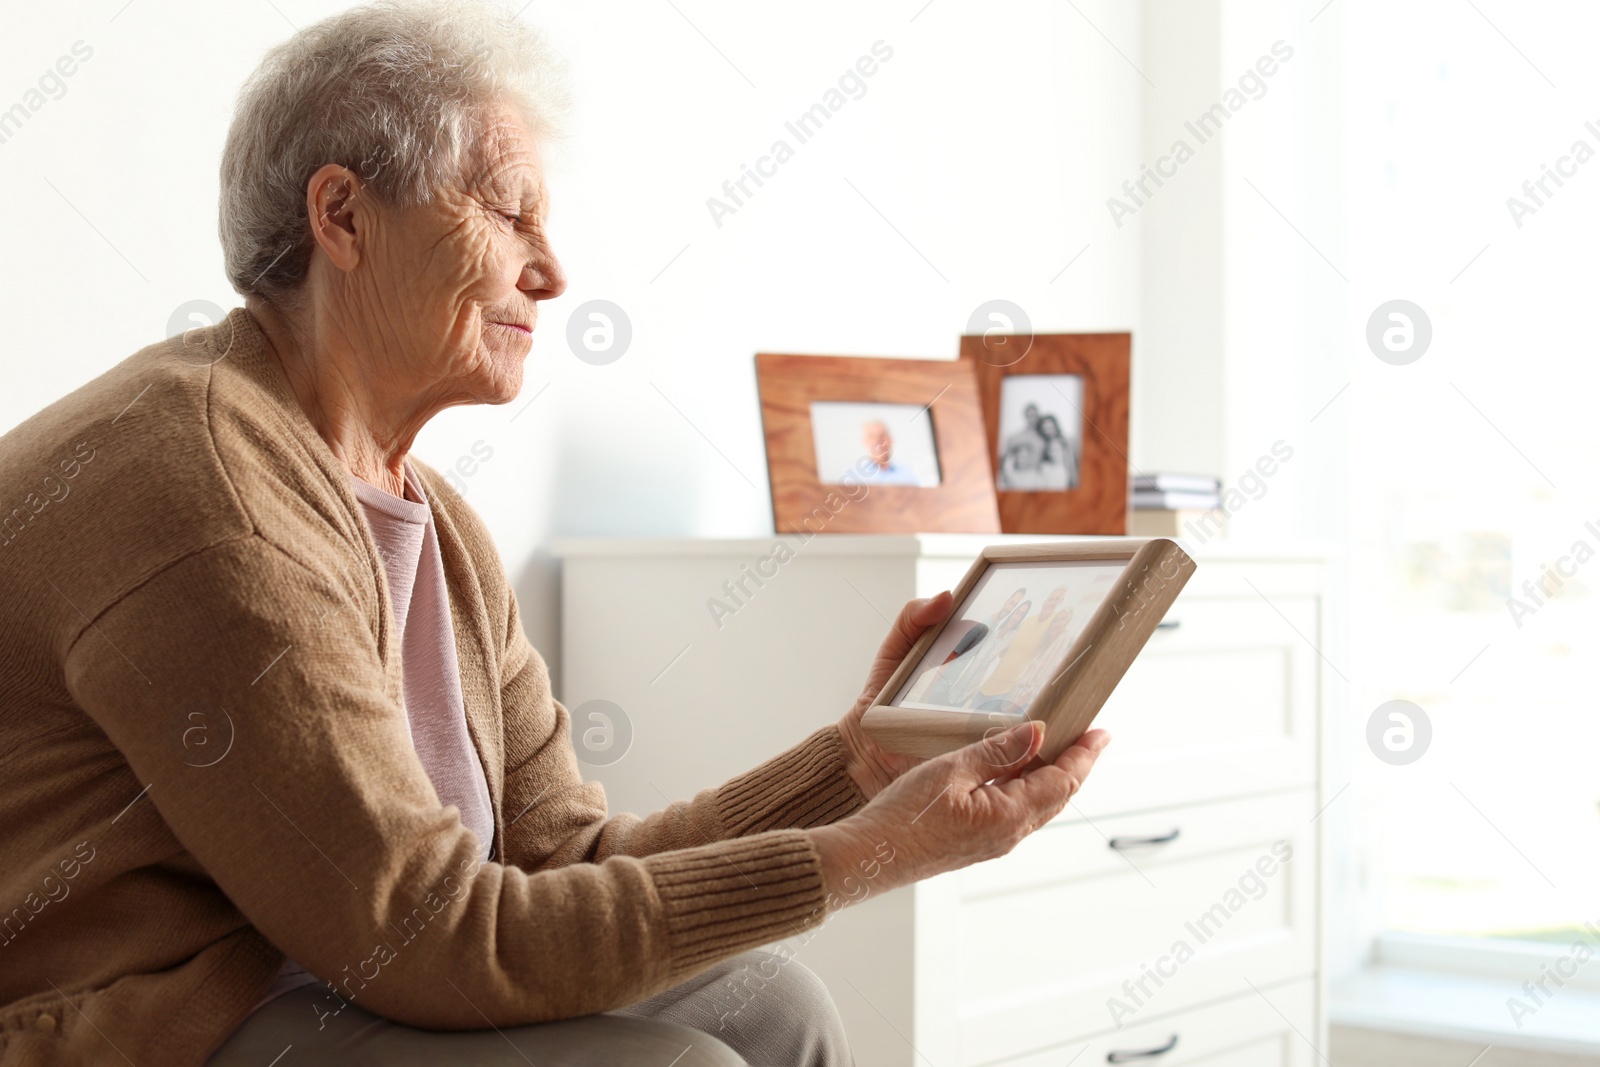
(1175, 905)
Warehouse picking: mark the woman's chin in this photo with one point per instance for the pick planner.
(499, 377)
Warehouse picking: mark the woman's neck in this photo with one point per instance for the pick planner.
(341, 393)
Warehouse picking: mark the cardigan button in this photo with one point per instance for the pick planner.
(45, 1022)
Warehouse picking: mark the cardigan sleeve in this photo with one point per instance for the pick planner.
(557, 818)
(319, 823)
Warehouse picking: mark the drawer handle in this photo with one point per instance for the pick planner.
(1169, 624)
(1123, 843)
(1143, 1054)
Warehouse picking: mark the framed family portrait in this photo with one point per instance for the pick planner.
(1055, 411)
(860, 445)
(1038, 632)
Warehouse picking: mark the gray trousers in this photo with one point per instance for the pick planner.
(754, 1009)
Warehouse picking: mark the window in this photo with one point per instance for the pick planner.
(1473, 190)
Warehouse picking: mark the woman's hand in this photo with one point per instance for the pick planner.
(870, 766)
(958, 809)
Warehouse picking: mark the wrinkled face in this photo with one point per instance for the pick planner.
(879, 445)
(450, 290)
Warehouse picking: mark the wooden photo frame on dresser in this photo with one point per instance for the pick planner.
(1055, 407)
(1038, 632)
(864, 445)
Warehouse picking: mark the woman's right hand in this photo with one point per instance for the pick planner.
(966, 806)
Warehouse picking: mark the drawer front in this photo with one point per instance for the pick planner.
(1222, 702)
(1068, 936)
(1272, 1028)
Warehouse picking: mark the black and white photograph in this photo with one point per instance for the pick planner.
(1041, 433)
(874, 444)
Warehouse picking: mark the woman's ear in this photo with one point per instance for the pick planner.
(330, 204)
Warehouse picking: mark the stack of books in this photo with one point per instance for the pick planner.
(1164, 503)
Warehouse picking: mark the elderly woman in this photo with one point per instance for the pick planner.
(283, 778)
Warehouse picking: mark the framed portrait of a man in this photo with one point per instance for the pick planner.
(861, 444)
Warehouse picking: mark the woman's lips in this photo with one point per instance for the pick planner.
(514, 326)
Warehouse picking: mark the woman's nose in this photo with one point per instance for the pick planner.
(544, 278)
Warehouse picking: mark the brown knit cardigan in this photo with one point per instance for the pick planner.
(204, 762)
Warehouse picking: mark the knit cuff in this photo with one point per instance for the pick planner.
(731, 896)
(804, 787)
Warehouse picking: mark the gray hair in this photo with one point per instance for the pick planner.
(397, 91)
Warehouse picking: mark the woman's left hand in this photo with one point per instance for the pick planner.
(870, 766)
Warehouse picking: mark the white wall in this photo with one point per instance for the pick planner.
(1240, 335)
(1181, 422)
(990, 141)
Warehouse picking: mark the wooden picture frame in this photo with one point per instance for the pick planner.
(1096, 501)
(1148, 576)
(949, 427)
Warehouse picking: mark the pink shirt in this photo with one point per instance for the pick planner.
(403, 530)
(431, 678)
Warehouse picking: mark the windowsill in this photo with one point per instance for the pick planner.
(1459, 990)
